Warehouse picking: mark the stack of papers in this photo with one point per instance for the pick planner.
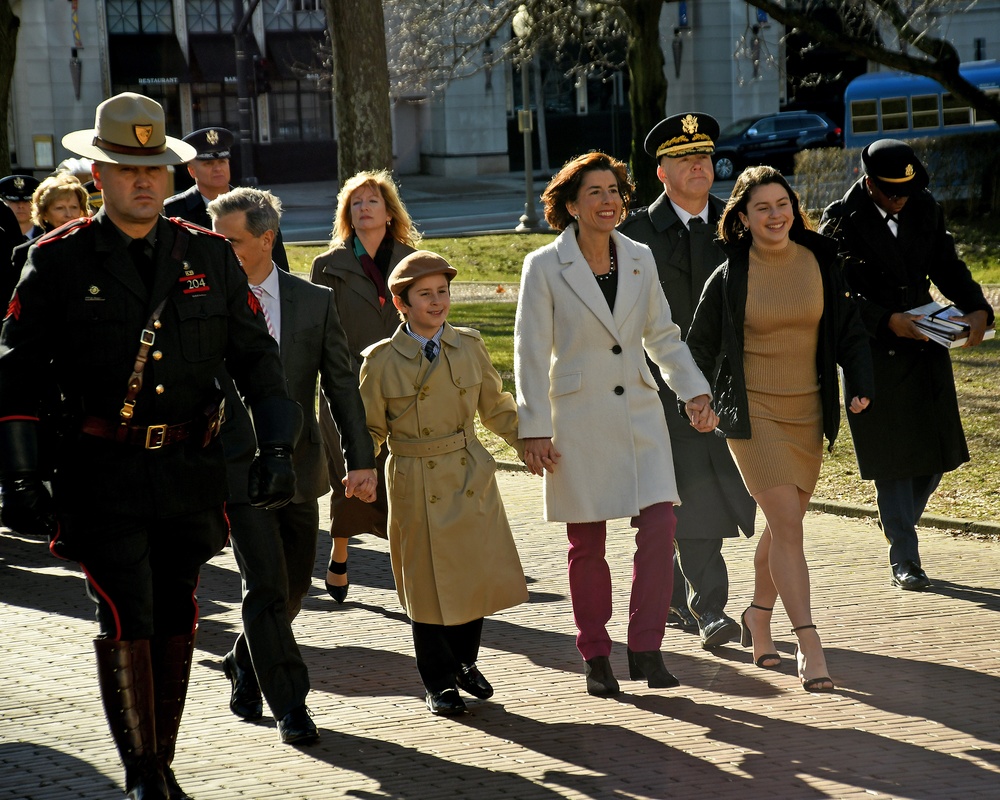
(939, 324)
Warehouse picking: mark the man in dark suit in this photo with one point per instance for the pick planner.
(276, 550)
(894, 241)
(210, 171)
(679, 227)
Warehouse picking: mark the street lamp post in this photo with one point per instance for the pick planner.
(529, 219)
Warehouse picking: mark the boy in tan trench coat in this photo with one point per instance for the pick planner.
(453, 554)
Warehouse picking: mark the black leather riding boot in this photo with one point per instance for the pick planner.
(125, 674)
(171, 656)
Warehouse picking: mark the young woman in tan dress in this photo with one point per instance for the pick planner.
(778, 315)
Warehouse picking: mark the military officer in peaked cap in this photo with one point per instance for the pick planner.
(16, 191)
(131, 316)
(679, 227)
(210, 170)
(895, 243)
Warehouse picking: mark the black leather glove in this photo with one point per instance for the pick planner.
(272, 479)
(278, 423)
(27, 507)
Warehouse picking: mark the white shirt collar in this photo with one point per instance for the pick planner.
(685, 217)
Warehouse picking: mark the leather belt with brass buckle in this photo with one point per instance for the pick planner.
(151, 437)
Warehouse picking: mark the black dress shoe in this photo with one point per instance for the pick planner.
(649, 665)
(245, 700)
(445, 703)
(683, 619)
(910, 576)
(600, 679)
(470, 680)
(297, 727)
(717, 629)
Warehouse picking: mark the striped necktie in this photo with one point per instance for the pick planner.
(259, 294)
(430, 350)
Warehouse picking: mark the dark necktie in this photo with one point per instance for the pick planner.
(696, 224)
(142, 262)
(430, 350)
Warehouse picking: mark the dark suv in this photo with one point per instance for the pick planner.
(773, 139)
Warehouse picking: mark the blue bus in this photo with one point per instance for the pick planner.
(899, 105)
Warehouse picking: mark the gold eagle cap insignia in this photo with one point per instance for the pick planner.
(689, 124)
(142, 133)
(212, 136)
(909, 171)
(19, 183)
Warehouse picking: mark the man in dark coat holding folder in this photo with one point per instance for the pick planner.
(892, 234)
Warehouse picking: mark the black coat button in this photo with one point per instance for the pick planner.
(619, 390)
(617, 349)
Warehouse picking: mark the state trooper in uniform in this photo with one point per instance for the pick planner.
(210, 170)
(679, 227)
(131, 316)
(16, 191)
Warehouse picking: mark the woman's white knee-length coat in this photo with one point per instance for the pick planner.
(582, 379)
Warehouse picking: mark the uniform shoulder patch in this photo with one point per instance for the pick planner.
(197, 230)
(63, 231)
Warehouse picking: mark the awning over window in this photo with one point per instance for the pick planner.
(213, 57)
(146, 59)
(295, 55)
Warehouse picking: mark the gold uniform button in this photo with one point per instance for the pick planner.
(160, 388)
(461, 391)
(433, 498)
(425, 431)
(462, 462)
(157, 325)
(431, 464)
(157, 355)
(469, 493)
(421, 396)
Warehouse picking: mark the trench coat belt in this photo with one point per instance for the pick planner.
(151, 437)
(420, 448)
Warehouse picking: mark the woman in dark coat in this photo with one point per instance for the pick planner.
(776, 320)
(372, 233)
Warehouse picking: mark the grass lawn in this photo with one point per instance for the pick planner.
(971, 492)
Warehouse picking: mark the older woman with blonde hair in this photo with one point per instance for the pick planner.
(372, 232)
(589, 310)
(58, 199)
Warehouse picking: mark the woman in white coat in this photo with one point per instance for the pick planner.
(590, 307)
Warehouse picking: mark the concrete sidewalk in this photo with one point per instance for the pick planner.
(915, 714)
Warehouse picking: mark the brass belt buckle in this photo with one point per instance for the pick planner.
(155, 434)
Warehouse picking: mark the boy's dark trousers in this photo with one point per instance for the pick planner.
(443, 649)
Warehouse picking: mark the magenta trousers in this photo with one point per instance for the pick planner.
(652, 581)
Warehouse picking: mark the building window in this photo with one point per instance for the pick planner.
(215, 105)
(299, 112)
(294, 15)
(210, 16)
(140, 16)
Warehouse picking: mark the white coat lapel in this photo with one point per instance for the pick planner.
(580, 279)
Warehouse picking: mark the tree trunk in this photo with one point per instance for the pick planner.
(9, 25)
(360, 85)
(647, 94)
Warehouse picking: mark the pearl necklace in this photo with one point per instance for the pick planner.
(607, 275)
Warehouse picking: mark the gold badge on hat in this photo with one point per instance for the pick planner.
(19, 183)
(142, 133)
(212, 136)
(909, 171)
(689, 124)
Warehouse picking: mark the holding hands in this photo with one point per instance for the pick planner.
(361, 483)
(540, 455)
(699, 410)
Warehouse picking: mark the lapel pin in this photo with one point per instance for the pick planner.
(94, 290)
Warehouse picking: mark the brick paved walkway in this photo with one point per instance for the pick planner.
(916, 715)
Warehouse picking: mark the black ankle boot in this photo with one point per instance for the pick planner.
(600, 679)
(649, 665)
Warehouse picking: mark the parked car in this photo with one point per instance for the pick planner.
(773, 139)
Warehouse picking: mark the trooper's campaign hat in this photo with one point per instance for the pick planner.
(211, 143)
(17, 188)
(129, 129)
(415, 266)
(683, 135)
(894, 168)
